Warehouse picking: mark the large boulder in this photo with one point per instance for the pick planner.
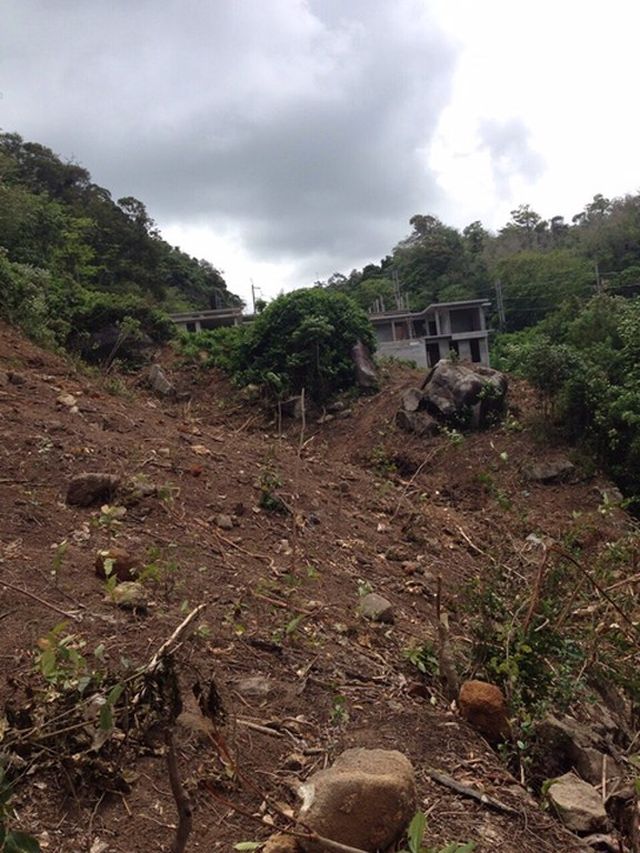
(567, 744)
(159, 383)
(464, 394)
(419, 422)
(365, 369)
(577, 804)
(364, 800)
(555, 471)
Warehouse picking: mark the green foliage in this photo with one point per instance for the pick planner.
(301, 340)
(424, 657)
(76, 265)
(415, 839)
(12, 840)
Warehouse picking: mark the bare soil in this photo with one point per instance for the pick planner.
(371, 508)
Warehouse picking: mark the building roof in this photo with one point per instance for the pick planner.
(381, 316)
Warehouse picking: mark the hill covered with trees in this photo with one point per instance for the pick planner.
(75, 264)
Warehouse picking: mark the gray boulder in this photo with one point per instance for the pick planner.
(159, 382)
(569, 745)
(376, 608)
(465, 394)
(555, 471)
(577, 804)
(420, 423)
(364, 800)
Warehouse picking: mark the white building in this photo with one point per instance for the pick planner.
(431, 334)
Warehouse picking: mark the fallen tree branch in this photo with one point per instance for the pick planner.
(473, 793)
(168, 645)
(76, 617)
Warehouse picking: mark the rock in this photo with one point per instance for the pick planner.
(89, 488)
(345, 413)
(335, 407)
(577, 804)
(550, 472)
(469, 394)
(292, 408)
(16, 378)
(376, 608)
(224, 522)
(364, 800)
(420, 422)
(137, 489)
(255, 686)
(129, 594)
(281, 843)
(484, 707)
(366, 375)
(159, 382)
(67, 400)
(411, 399)
(568, 745)
(123, 565)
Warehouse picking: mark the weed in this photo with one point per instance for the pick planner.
(455, 437)
(12, 840)
(499, 495)
(58, 557)
(110, 517)
(381, 462)
(415, 839)
(269, 482)
(114, 386)
(339, 711)
(60, 662)
(423, 657)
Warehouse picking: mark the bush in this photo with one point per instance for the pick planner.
(304, 340)
(301, 340)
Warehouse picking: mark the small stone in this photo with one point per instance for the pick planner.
(364, 800)
(376, 608)
(600, 842)
(255, 686)
(16, 378)
(123, 565)
(67, 400)
(335, 407)
(294, 762)
(281, 843)
(484, 707)
(87, 489)
(345, 413)
(129, 594)
(577, 804)
(224, 522)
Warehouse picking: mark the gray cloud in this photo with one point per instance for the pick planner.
(509, 147)
(301, 124)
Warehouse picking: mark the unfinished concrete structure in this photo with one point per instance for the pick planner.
(196, 321)
(431, 334)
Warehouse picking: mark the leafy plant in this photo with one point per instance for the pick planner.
(415, 839)
(12, 840)
(423, 657)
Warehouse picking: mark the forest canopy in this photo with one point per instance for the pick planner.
(74, 263)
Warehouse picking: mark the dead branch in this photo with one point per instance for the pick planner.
(601, 591)
(74, 616)
(536, 592)
(169, 645)
(446, 660)
(183, 803)
(408, 485)
(473, 793)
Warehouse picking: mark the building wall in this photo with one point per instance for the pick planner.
(414, 350)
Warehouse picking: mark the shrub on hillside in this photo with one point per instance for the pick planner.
(300, 340)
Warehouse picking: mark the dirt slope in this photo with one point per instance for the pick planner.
(281, 597)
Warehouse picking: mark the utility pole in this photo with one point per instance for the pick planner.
(253, 294)
(500, 304)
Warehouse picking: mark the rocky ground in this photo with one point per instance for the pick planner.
(280, 537)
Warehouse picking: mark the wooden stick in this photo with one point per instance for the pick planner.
(173, 639)
(74, 616)
(183, 803)
(473, 793)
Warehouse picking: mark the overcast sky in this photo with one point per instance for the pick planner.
(284, 140)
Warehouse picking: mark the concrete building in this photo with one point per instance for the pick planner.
(427, 336)
(196, 321)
